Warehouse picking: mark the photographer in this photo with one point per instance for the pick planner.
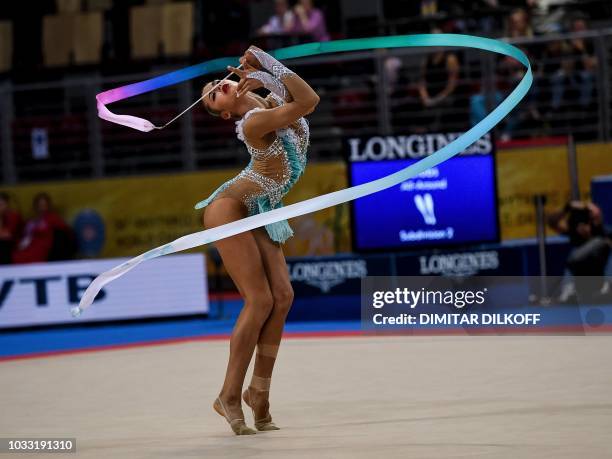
(582, 222)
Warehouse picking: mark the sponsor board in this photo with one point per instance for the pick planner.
(43, 293)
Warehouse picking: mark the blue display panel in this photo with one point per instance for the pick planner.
(453, 203)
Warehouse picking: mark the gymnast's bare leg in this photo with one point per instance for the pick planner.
(258, 267)
(244, 264)
(275, 265)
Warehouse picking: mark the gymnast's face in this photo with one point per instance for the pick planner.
(222, 100)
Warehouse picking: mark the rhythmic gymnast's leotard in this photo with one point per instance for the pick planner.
(271, 172)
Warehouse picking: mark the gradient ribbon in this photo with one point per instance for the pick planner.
(327, 200)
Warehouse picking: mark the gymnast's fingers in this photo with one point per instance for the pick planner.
(241, 85)
(238, 72)
(242, 88)
(248, 86)
(251, 60)
(249, 68)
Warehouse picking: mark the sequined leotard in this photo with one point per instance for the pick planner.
(270, 173)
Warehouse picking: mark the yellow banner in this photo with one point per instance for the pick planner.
(525, 172)
(139, 213)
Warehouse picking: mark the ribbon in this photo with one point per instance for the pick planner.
(327, 200)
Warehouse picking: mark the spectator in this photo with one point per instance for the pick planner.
(310, 20)
(11, 225)
(577, 70)
(46, 236)
(551, 62)
(512, 71)
(518, 24)
(281, 22)
(439, 79)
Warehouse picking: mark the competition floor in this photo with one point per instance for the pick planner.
(354, 397)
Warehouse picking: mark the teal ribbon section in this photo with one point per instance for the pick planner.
(337, 197)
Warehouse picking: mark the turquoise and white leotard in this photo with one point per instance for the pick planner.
(270, 173)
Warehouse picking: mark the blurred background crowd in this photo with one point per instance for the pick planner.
(122, 37)
(226, 28)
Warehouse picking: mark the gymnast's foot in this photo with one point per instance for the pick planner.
(231, 410)
(258, 401)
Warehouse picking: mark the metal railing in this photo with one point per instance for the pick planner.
(361, 93)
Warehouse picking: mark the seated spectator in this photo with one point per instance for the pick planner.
(46, 236)
(11, 225)
(281, 22)
(310, 20)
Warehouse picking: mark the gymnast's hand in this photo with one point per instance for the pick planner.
(248, 60)
(246, 84)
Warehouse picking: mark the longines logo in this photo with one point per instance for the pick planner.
(379, 148)
(327, 274)
(465, 264)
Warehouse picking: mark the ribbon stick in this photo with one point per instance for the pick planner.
(133, 121)
(330, 199)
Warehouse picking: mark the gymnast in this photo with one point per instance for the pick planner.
(277, 136)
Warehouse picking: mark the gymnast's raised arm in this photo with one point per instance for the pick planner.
(300, 98)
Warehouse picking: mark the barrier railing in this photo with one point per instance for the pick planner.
(50, 131)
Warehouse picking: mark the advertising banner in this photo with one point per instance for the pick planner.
(43, 293)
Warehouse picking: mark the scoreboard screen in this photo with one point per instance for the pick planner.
(450, 204)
